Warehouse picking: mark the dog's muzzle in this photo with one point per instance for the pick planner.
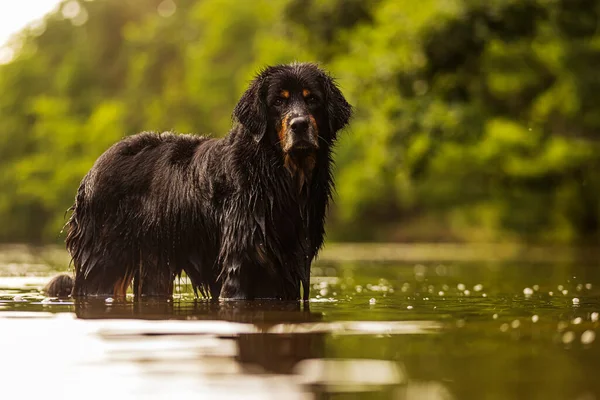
(302, 135)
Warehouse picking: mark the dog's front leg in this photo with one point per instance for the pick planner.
(234, 282)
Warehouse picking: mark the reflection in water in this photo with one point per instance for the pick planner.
(255, 312)
(267, 350)
(326, 376)
(258, 350)
(258, 339)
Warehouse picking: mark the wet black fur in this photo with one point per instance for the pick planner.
(225, 211)
(60, 286)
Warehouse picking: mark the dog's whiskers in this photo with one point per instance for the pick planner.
(323, 139)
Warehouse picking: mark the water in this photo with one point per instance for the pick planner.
(401, 330)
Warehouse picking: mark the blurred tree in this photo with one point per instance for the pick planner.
(478, 117)
(474, 120)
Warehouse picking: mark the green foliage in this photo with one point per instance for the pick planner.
(474, 120)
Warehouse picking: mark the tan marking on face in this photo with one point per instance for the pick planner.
(289, 164)
(282, 133)
(300, 169)
(315, 129)
(305, 92)
(309, 163)
(300, 180)
(285, 94)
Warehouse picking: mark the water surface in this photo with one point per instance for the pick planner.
(402, 330)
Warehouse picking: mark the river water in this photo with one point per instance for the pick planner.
(373, 330)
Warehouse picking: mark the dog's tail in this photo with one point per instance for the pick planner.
(60, 286)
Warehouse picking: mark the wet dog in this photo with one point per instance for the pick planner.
(242, 216)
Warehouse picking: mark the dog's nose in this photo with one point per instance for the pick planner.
(299, 125)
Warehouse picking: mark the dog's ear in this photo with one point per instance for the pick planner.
(338, 109)
(251, 110)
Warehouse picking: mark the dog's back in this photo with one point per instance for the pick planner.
(136, 214)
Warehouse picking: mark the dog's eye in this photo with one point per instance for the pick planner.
(312, 99)
(280, 101)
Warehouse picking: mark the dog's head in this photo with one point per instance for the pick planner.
(297, 106)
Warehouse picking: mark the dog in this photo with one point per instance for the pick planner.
(243, 216)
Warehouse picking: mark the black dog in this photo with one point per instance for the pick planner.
(243, 216)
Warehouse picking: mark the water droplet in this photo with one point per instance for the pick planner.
(420, 269)
(579, 287)
(575, 301)
(323, 292)
(577, 321)
(535, 318)
(560, 288)
(372, 301)
(460, 287)
(484, 295)
(588, 286)
(109, 300)
(551, 293)
(515, 324)
(594, 316)
(478, 287)
(409, 307)
(562, 325)
(441, 293)
(527, 292)
(504, 327)
(440, 270)
(359, 289)
(536, 287)
(495, 316)
(588, 337)
(323, 284)
(568, 337)
(467, 293)
(565, 292)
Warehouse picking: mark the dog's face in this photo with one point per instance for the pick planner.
(296, 110)
(296, 106)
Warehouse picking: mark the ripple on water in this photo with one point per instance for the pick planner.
(320, 299)
(361, 327)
